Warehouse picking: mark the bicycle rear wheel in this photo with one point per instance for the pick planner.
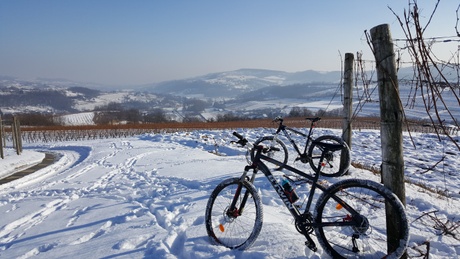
(336, 163)
(366, 235)
(273, 148)
(236, 228)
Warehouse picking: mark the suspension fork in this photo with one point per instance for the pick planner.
(233, 210)
(245, 176)
(275, 138)
(278, 130)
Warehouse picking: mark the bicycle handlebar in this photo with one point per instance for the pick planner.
(242, 141)
(315, 119)
(238, 135)
(312, 119)
(277, 119)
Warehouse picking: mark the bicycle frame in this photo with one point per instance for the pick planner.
(347, 217)
(299, 216)
(283, 128)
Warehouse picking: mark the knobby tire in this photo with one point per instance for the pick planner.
(370, 200)
(234, 232)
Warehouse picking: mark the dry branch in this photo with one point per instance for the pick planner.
(429, 81)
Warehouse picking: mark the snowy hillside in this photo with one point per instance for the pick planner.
(145, 197)
(84, 118)
(245, 92)
(233, 83)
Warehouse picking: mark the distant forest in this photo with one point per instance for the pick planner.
(36, 97)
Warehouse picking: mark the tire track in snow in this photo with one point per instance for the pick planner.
(102, 230)
(108, 225)
(76, 215)
(164, 198)
(105, 185)
(172, 200)
(170, 206)
(36, 251)
(16, 229)
(161, 198)
(19, 227)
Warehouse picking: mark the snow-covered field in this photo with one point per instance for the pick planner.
(82, 118)
(145, 197)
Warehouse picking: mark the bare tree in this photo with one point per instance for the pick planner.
(430, 83)
(156, 116)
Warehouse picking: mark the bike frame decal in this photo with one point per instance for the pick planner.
(279, 189)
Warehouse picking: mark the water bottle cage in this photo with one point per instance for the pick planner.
(292, 196)
(290, 192)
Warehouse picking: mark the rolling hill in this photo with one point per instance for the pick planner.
(245, 92)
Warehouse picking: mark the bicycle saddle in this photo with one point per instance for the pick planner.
(328, 146)
(313, 119)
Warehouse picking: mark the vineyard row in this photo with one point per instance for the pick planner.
(75, 133)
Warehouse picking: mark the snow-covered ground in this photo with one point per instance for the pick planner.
(145, 197)
(14, 163)
(82, 118)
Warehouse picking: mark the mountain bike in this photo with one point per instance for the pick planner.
(348, 219)
(337, 160)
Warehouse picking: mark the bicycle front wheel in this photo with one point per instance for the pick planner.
(336, 163)
(273, 148)
(238, 227)
(353, 223)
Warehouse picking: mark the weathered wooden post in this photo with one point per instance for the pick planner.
(347, 97)
(391, 120)
(4, 135)
(17, 141)
(347, 103)
(1, 139)
(14, 136)
(18, 128)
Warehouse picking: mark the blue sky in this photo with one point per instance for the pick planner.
(138, 41)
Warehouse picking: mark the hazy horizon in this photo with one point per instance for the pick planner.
(114, 42)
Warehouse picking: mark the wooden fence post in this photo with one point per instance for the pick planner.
(347, 103)
(347, 98)
(4, 135)
(13, 135)
(391, 119)
(16, 132)
(18, 129)
(1, 139)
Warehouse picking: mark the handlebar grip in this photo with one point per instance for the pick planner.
(236, 134)
(277, 119)
(314, 119)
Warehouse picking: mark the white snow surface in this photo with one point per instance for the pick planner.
(145, 197)
(82, 118)
(14, 163)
